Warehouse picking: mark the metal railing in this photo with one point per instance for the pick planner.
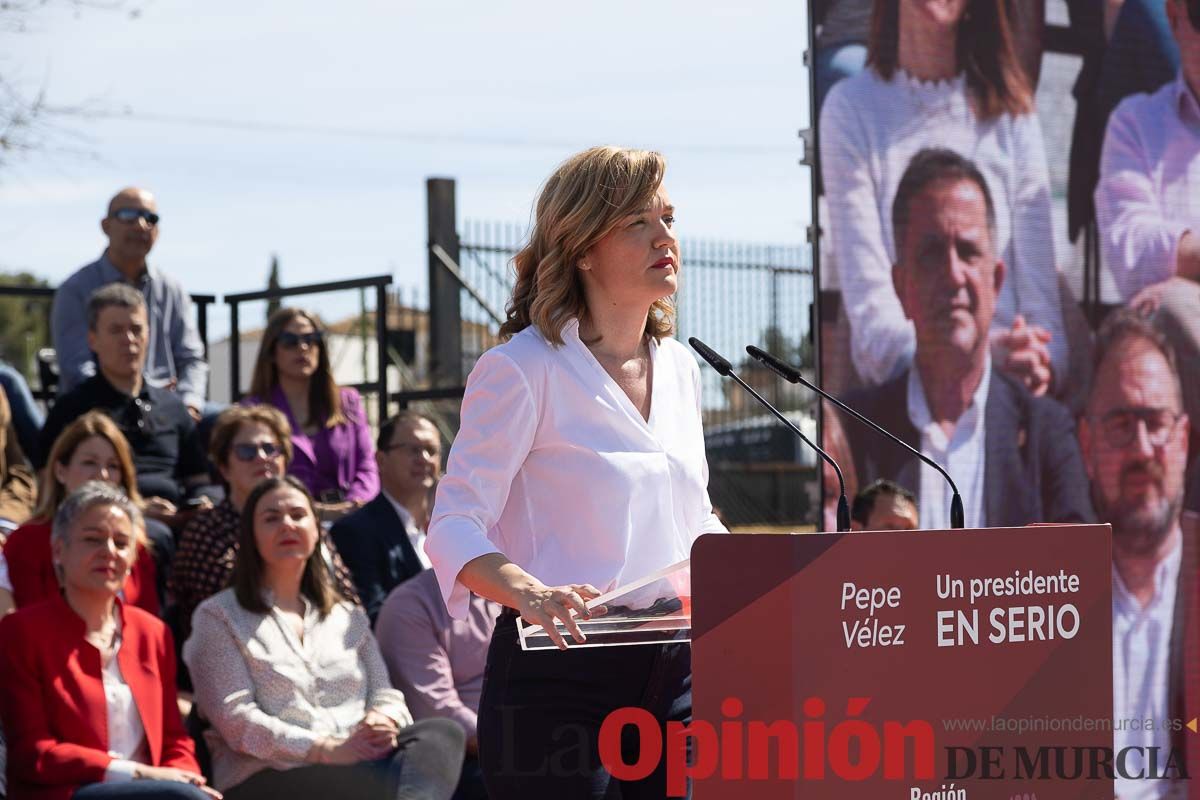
(379, 283)
(731, 294)
(46, 391)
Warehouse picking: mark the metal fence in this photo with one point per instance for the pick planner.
(731, 294)
(45, 388)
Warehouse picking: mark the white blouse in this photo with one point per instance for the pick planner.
(870, 130)
(555, 468)
(126, 735)
(271, 695)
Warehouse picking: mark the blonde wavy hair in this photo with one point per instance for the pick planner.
(585, 199)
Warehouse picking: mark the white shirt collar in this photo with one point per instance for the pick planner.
(1166, 576)
(918, 407)
(406, 517)
(416, 535)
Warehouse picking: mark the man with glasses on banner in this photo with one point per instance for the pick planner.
(175, 353)
(1148, 200)
(1134, 438)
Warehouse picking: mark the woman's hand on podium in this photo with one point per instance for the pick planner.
(539, 604)
(495, 577)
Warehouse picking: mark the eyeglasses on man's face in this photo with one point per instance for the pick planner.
(130, 215)
(291, 341)
(412, 449)
(1120, 426)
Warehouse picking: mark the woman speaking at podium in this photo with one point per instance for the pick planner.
(579, 467)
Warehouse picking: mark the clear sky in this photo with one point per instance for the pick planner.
(308, 129)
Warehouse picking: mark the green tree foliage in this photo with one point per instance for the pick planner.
(796, 350)
(24, 323)
(272, 284)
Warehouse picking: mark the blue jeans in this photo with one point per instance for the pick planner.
(425, 767)
(834, 63)
(1142, 54)
(26, 416)
(139, 790)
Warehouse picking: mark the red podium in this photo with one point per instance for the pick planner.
(933, 665)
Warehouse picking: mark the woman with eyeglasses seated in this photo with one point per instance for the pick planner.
(91, 448)
(87, 682)
(292, 681)
(248, 445)
(334, 457)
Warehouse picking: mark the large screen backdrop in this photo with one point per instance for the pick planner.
(1008, 281)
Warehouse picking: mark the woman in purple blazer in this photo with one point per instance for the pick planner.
(331, 439)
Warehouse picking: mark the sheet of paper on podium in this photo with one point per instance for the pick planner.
(653, 610)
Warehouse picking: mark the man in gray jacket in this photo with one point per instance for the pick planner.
(176, 355)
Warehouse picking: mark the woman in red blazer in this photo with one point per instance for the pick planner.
(90, 448)
(87, 683)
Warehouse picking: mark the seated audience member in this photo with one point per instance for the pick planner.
(438, 661)
(383, 543)
(248, 445)
(330, 432)
(292, 681)
(1145, 201)
(90, 449)
(18, 489)
(1134, 438)
(1014, 456)
(27, 418)
(175, 357)
(1127, 48)
(87, 683)
(942, 75)
(166, 453)
(884, 506)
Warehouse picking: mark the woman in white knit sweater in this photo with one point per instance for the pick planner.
(292, 681)
(941, 73)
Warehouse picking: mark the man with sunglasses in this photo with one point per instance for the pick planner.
(1134, 438)
(1146, 208)
(175, 354)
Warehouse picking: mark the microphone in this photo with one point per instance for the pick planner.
(725, 369)
(792, 375)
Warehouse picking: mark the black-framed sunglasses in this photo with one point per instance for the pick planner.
(290, 341)
(134, 214)
(1120, 425)
(248, 451)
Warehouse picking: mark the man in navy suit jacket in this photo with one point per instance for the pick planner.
(1014, 456)
(383, 543)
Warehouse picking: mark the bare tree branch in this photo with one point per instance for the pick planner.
(30, 123)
